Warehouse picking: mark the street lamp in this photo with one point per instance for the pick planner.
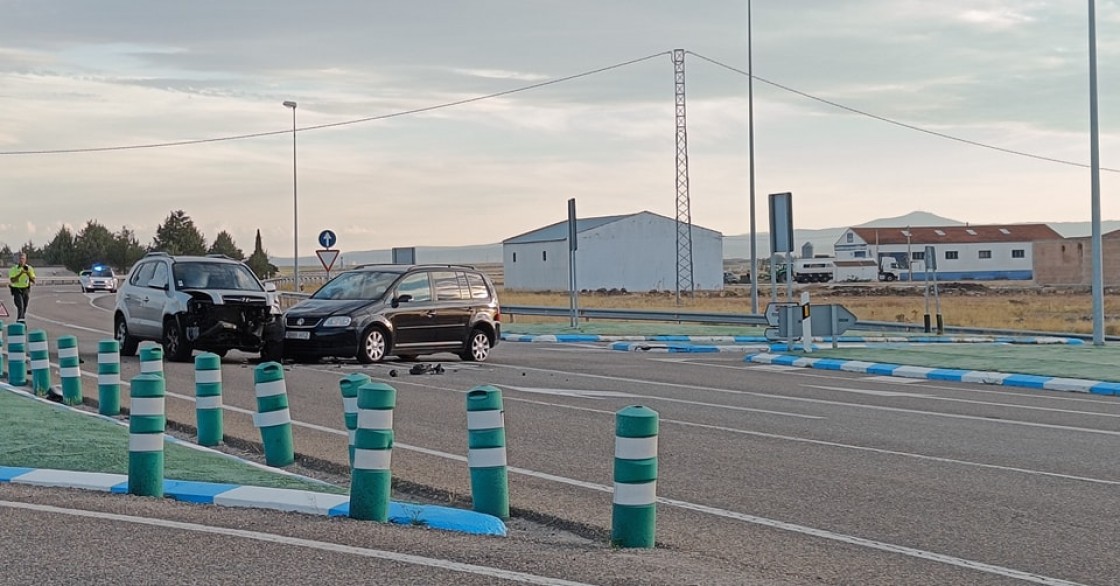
(295, 201)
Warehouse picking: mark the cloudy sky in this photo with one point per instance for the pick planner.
(111, 78)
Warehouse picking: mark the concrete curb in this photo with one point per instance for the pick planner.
(577, 338)
(256, 497)
(277, 499)
(1029, 381)
(684, 348)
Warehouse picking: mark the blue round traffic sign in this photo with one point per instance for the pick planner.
(327, 238)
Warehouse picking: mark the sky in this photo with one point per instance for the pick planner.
(863, 109)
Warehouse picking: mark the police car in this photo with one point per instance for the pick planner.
(98, 278)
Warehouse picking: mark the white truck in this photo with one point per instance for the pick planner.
(855, 270)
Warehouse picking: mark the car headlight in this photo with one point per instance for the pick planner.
(337, 321)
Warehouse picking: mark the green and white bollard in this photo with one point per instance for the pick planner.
(109, 377)
(208, 398)
(273, 417)
(146, 425)
(70, 370)
(349, 386)
(40, 353)
(634, 514)
(3, 352)
(17, 354)
(371, 480)
(151, 360)
(486, 451)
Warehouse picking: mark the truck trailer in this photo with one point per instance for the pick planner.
(830, 269)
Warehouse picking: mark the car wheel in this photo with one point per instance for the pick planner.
(175, 345)
(478, 346)
(128, 344)
(373, 346)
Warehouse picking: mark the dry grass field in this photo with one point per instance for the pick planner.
(962, 304)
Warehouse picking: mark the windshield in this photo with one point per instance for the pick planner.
(215, 275)
(357, 285)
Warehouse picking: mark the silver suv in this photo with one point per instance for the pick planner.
(187, 303)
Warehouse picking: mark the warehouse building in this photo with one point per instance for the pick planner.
(980, 253)
(636, 252)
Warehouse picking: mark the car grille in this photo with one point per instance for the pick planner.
(307, 322)
(243, 300)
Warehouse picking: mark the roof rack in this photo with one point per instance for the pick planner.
(219, 255)
(156, 253)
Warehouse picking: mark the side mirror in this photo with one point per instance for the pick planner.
(401, 299)
(270, 287)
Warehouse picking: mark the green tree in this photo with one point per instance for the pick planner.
(60, 249)
(6, 255)
(91, 246)
(224, 244)
(31, 251)
(125, 250)
(258, 261)
(178, 235)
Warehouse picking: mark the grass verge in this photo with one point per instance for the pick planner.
(34, 434)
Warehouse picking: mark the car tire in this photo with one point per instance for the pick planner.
(478, 346)
(272, 352)
(373, 347)
(175, 344)
(128, 344)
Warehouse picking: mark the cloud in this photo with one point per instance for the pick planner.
(501, 74)
(995, 19)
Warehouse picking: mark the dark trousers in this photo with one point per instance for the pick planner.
(21, 298)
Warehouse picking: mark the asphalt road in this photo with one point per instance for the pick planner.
(768, 475)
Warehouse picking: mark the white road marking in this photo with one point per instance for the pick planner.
(869, 392)
(890, 379)
(415, 560)
(814, 401)
(582, 394)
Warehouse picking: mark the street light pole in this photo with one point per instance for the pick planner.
(295, 202)
(1095, 181)
(750, 147)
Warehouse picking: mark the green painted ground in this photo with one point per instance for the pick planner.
(1081, 361)
(37, 435)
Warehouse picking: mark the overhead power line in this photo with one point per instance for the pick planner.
(896, 122)
(453, 104)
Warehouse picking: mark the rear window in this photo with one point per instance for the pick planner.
(447, 286)
(479, 290)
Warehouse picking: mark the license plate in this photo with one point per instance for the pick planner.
(293, 335)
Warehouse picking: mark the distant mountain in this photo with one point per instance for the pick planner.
(735, 246)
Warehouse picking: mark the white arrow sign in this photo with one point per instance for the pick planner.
(327, 257)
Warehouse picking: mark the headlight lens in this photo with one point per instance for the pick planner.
(337, 321)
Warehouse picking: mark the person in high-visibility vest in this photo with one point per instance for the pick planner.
(20, 278)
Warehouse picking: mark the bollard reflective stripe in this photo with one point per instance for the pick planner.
(486, 457)
(70, 372)
(113, 378)
(485, 419)
(372, 459)
(214, 402)
(272, 418)
(145, 442)
(635, 448)
(146, 406)
(271, 389)
(635, 494)
(375, 419)
(207, 376)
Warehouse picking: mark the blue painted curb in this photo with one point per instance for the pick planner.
(280, 499)
(683, 348)
(1029, 381)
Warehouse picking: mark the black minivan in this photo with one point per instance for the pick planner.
(374, 311)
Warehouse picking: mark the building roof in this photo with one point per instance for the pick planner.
(991, 233)
(559, 230)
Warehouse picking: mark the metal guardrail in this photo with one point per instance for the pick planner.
(587, 314)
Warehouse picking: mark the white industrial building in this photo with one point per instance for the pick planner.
(981, 253)
(636, 252)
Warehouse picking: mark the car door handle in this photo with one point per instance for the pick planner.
(430, 313)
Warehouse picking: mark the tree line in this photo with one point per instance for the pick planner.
(177, 235)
